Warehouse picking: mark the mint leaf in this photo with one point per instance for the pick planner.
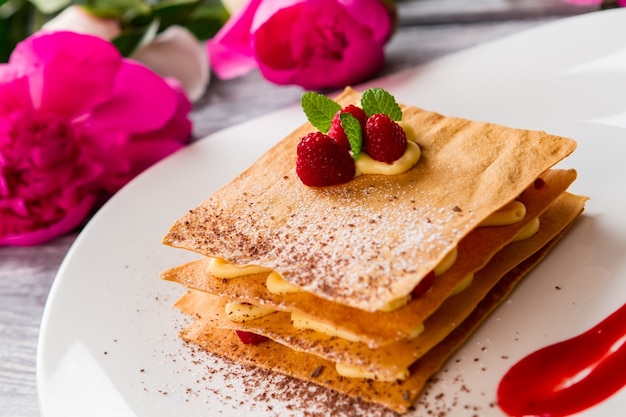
(319, 109)
(353, 130)
(377, 100)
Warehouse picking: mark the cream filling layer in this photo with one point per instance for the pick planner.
(351, 371)
(223, 269)
(462, 286)
(510, 213)
(301, 321)
(445, 264)
(528, 231)
(277, 285)
(240, 312)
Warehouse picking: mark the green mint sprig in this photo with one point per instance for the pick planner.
(354, 132)
(377, 100)
(319, 110)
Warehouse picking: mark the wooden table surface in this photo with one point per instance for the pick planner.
(428, 29)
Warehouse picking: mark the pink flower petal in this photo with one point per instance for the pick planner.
(267, 9)
(132, 153)
(316, 48)
(142, 101)
(143, 150)
(72, 219)
(145, 154)
(61, 80)
(371, 14)
(14, 94)
(229, 50)
(179, 127)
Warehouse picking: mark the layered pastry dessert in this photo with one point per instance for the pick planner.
(364, 248)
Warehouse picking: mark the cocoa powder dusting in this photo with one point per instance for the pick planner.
(247, 390)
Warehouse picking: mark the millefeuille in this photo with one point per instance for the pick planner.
(366, 286)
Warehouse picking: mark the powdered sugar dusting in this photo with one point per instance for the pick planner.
(371, 244)
(390, 243)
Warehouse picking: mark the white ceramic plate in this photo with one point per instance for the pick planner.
(109, 342)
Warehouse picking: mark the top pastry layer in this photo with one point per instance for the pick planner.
(371, 240)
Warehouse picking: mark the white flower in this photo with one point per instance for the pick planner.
(177, 53)
(77, 19)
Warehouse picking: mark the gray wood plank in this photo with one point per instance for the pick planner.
(26, 275)
(428, 12)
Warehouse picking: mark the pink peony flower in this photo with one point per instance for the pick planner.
(77, 122)
(317, 44)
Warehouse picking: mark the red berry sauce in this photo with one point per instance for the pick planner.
(570, 376)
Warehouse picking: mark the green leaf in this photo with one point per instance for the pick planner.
(319, 109)
(174, 12)
(206, 21)
(377, 100)
(124, 10)
(204, 27)
(354, 132)
(15, 25)
(113, 4)
(130, 39)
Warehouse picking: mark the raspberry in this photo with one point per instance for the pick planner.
(322, 161)
(539, 183)
(384, 140)
(336, 131)
(249, 338)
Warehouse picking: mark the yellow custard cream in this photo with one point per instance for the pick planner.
(351, 371)
(447, 262)
(242, 312)
(462, 286)
(277, 285)
(366, 165)
(528, 231)
(513, 212)
(223, 269)
(301, 321)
